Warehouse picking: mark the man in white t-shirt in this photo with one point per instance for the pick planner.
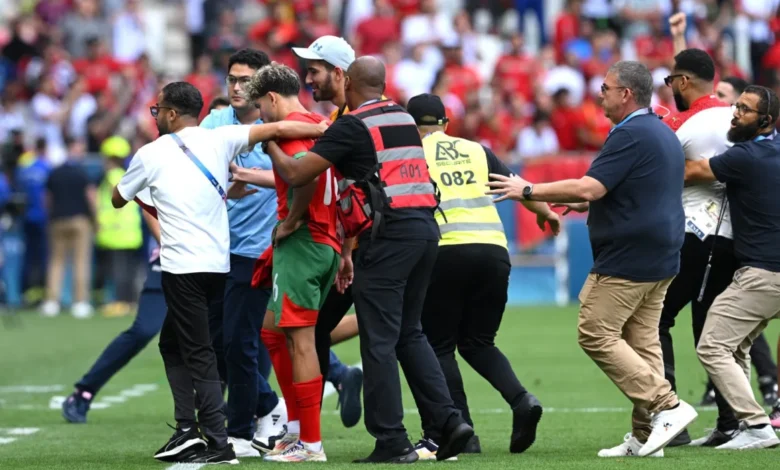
(186, 170)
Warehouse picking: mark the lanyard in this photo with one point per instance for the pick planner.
(200, 166)
(631, 116)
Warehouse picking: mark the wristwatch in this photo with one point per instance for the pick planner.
(527, 192)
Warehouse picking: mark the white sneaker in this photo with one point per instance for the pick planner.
(667, 425)
(243, 447)
(747, 439)
(271, 428)
(285, 443)
(81, 310)
(50, 308)
(629, 448)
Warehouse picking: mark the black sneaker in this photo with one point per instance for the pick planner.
(181, 443)
(473, 446)
(212, 455)
(403, 454)
(76, 406)
(709, 397)
(715, 438)
(526, 417)
(454, 442)
(768, 388)
(682, 439)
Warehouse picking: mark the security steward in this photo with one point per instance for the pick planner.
(387, 200)
(468, 290)
(751, 171)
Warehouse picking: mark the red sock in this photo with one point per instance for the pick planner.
(280, 358)
(309, 395)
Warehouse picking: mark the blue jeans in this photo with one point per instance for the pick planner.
(537, 7)
(246, 359)
(148, 322)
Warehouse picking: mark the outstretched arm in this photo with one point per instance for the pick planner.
(285, 130)
(297, 171)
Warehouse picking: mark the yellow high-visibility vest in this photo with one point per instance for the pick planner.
(460, 169)
(118, 229)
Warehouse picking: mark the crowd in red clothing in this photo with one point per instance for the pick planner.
(494, 87)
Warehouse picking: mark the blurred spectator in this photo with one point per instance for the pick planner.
(595, 125)
(663, 98)
(51, 12)
(12, 112)
(107, 117)
(84, 23)
(195, 14)
(566, 118)
(654, 48)
(515, 71)
(84, 106)
(205, 80)
(226, 36)
(536, 7)
(413, 75)
(759, 13)
(464, 80)
(391, 56)
(567, 26)
(605, 52)
(55, 63)
(50, 115)
(374, 32)
(70, 199)
(96, 65)
(218, 103)
(24, 41)
(428, 28)
(119, 235)
(318, 24)
(467, 38)
(31, 175)
(538, 139)
(638, 16)
(129, 41)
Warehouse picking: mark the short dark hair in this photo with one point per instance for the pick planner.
(40, 144)
(541, 116)
(183, 97)
(697, 62)
(770, 107)
(252, 58)
(736, 83)
(275, 78)
(219, 101)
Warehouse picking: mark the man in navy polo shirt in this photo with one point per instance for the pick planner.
(751, 171)
(633, 190)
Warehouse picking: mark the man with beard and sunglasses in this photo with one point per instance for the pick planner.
(701, 126)
(186, 169)
(751, 171)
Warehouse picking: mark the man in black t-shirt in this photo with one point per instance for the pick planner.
(392, 272)
(751, 171)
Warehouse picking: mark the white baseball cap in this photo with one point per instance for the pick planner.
(333, 50)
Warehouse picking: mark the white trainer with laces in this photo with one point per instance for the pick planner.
(749, 439)
(289, 440)
(298, 453)
(271, 428)
(243, 447)
(667, 425)
(629, 448)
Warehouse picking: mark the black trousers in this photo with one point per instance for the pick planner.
(391, 280)
(463, 309)
(685, 289)
(185, 346)
(333, 310)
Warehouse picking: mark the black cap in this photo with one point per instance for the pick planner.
(427, 110)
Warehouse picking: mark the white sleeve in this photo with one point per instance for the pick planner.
(234, 139)
(135, 180)
(145, 196)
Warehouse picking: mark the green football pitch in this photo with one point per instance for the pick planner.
(41, 358)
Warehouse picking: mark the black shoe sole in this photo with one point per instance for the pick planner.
(456, 442)
(351, 410)
(525, 437)
(411, 457)
(177, 453)
(473, 446)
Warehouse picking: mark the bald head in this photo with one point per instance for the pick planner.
(367, 75)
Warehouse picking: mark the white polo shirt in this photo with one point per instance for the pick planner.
(702, 132)
(194, 231)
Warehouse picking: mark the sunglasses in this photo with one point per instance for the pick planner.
(155, 110)
(668, 80)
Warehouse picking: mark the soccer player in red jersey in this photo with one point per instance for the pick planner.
(306, 254)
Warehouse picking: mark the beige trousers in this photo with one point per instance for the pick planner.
(618, 329)
(734, 321)
(70, 237)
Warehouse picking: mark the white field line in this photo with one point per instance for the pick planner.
(31, 388)
(15, 432)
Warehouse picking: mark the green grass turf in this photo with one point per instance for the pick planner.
(539, 341)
